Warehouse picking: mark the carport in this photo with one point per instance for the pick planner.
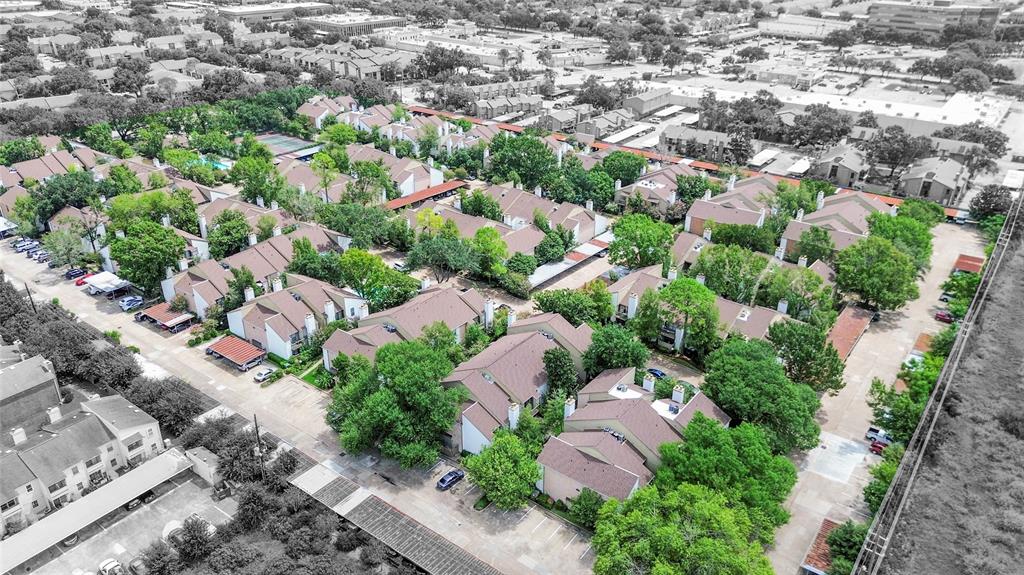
(236, 350)
(72, 518)
(105, 282)
(162, 315)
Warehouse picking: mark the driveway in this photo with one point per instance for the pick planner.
(831, 477)
(294, 411)
(127, 534)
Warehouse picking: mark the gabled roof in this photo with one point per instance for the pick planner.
(73, 438)
(722, 214)
(450, 305)
(687, 247)
(945, 171)
(635, 415)
(514, 363)
(578, 337)
(751, 321)
(362, 341)
(118, 412)
(596, 460)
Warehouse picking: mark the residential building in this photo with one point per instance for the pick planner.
(705, 145)
(607, 123)
(657, 187)
(363, 340)
(455, 308)
(285, 318)
(319, 107)
(183, 41)
(574, 340)
(408, 174)
(942, 180)
(686, 249)
(507, 106)
(54, 45)
(646, 103)
(260, 40)
(744, 202)
(843, 215)
(929, 20)
(518, 208)
(108, 57)
(844, 165)
(565, 120)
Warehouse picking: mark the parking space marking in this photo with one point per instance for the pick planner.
(574, 536)
(585, 551)
(471, 489)
(225, 513)
(536, 527)
(557, 529)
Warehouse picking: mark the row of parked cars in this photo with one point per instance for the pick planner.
(32, 250)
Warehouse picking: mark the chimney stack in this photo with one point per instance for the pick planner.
(618, 185)
(802, 262)
(569, 408)
(18, 435)
(513, 416)
(329, 310)
(631, 305)
(673, 273)
(783, 306)
(250, 294)
(276, 285)
(707, 233)
(590, 205)
(302, 188)
(649, 383)
(310, 324)
(489, 313)
(277, 230)
(701, 279)
(165, 220)
(54, 414)
(253, 239)
(273, 205)
(260, 202)
(779, 252)
(678, 393)
(820, 200)
(202, 226)
(169, 272)
(732, 182)
(424, 284)
(800, 215)
(182, 264)
(510, 320)
(707, 195)
(537, 192)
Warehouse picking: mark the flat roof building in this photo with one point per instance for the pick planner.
(926, 19)
(354, 23)
(272, 12)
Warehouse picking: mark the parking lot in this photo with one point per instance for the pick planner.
(125, 534)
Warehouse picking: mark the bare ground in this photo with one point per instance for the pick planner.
(965, 513)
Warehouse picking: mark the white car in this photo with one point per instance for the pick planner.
(263, 374)
(111, 567)
(129, 303)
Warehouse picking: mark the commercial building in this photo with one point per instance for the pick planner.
(354, 23)
(272, 12)
(928, 20)
(801, 27)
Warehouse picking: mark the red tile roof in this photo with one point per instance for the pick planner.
(162, 313)
(426, 194)
(966, 263)
(236, 350)
(818, 558)
(576, 256)
(853, 321)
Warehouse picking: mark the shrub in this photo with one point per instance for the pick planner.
(347, 541)
(516, 284)
(373, 554)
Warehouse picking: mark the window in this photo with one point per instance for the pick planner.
(151, 432)
(58, 486)
(93, 461)
(9, 505)
(926, 187)
(113, 463)
(833, 171)
(152, 447)
(134, 445)
(35, 504)
(74, 470)
(110, 448)
(80, 486)
(28, 488)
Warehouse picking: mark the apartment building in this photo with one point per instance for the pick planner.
(929, 19)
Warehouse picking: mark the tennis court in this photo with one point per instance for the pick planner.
(281, 144)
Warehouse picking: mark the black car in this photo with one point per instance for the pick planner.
(451, 478)
(74, 273)
(146, 497)
(657, 373)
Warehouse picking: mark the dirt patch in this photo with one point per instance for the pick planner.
(965, 513)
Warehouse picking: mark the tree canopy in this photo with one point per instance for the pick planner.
(615, 346)
(877, 272)
(505, 471)
(145, 252)
(639, 241)
(807, 355)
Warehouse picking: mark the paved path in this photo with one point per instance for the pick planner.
(294, 411)
(831, 477)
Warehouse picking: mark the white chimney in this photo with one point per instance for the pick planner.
(273, 205)
(783, 306)
(329, 310)
(590, 205)
(18, 435)
(202, 226)
(391, 151)
(513, 416)
(275, 284)
(678, 393)
(800, 215)
(253, 239)
(489, 313)
(119, 233)
(707, 195)
(424, 284)
(250, 294)
(802, 262)
(165, 220)
(700, 279)
(310, 323)
(54, 414)
(673, 273)
(302, 188)
(779, 252)
(732, 182)
(649, 383)
(169, 272)
(569, 408)
(618, 184)
(537, 192)
(631, 305)
(182, 264)
(277, 230)
(820, 200)
(260, 202)
(511, 319)
(707, 233)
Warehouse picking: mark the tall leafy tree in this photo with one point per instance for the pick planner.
(730, 271)
(736, 462)
(505, 471)
(522, 159)
(807, 355)
(639, 241)
(561, 371)
(816, 244)
(650, 316)
(745, 379)
(694, 306)
(589, 304)
(64, 245)
(928, 213)
(230, 234)
(445, 256)
(145, 252)
(478, 203)
(877, 272)
(906, 234)
(614, 346)
(624, 167)
(689, 529)
(491, 252)
(990, 201)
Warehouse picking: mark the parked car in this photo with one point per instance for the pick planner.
(211, 529)
(877, 447)
(172, 533)
(945, 297)
(20, 248)
(81, 281)
(74, 273)
(146, 497)
(138, 567)
(944, 316)
(263, 374)
(111, 567)
(43, 258)
(129, 303)
(70, 540)
(400, 266)
(878, 435)
(451, 478)
(657, 373)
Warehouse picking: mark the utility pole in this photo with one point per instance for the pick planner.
(28, 292)
(259, 449)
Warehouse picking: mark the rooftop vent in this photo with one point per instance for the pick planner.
(673, 408)
(744, 314)
(296, 297)
(390, 328)
(621, 387)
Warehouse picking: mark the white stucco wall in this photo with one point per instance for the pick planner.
(473, 440)
(277, 345)
(235, 323)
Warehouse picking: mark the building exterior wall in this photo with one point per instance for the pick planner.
(277, 345)
(907, 18)
(473, 440)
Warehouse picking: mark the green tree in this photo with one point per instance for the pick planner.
(585, 305)
(161, 559)
(877, 272)
(400, 406)
(339, 134)
(120, 180)
(649, 318)
(639, 241)
(736, 462)
(524, 159)
(478, 203)
(440, 338)
(64, 245)
(689, 529)
(241, 278)
(195, 542)
(882, 475)
(366, 225)
(614, 346)
(258, 179)
(585, 507)
(505, 471)
(906, 234)
(748, 236)
(445, 256)
(491, 252)
(807, 355)
(371, 279)
(145, 252)
(730, 271)
(928, 213)
(844, 543)
(624, 167)
(551, 248)
(695, 305)
(561, 371)
(21, 150)
(815, 244)
(744, 378)
(990, 201)
(808, 296)
(230, 234)
(522, 264)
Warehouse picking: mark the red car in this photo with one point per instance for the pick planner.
(945, 317)
(877, 447)
(81, 281)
